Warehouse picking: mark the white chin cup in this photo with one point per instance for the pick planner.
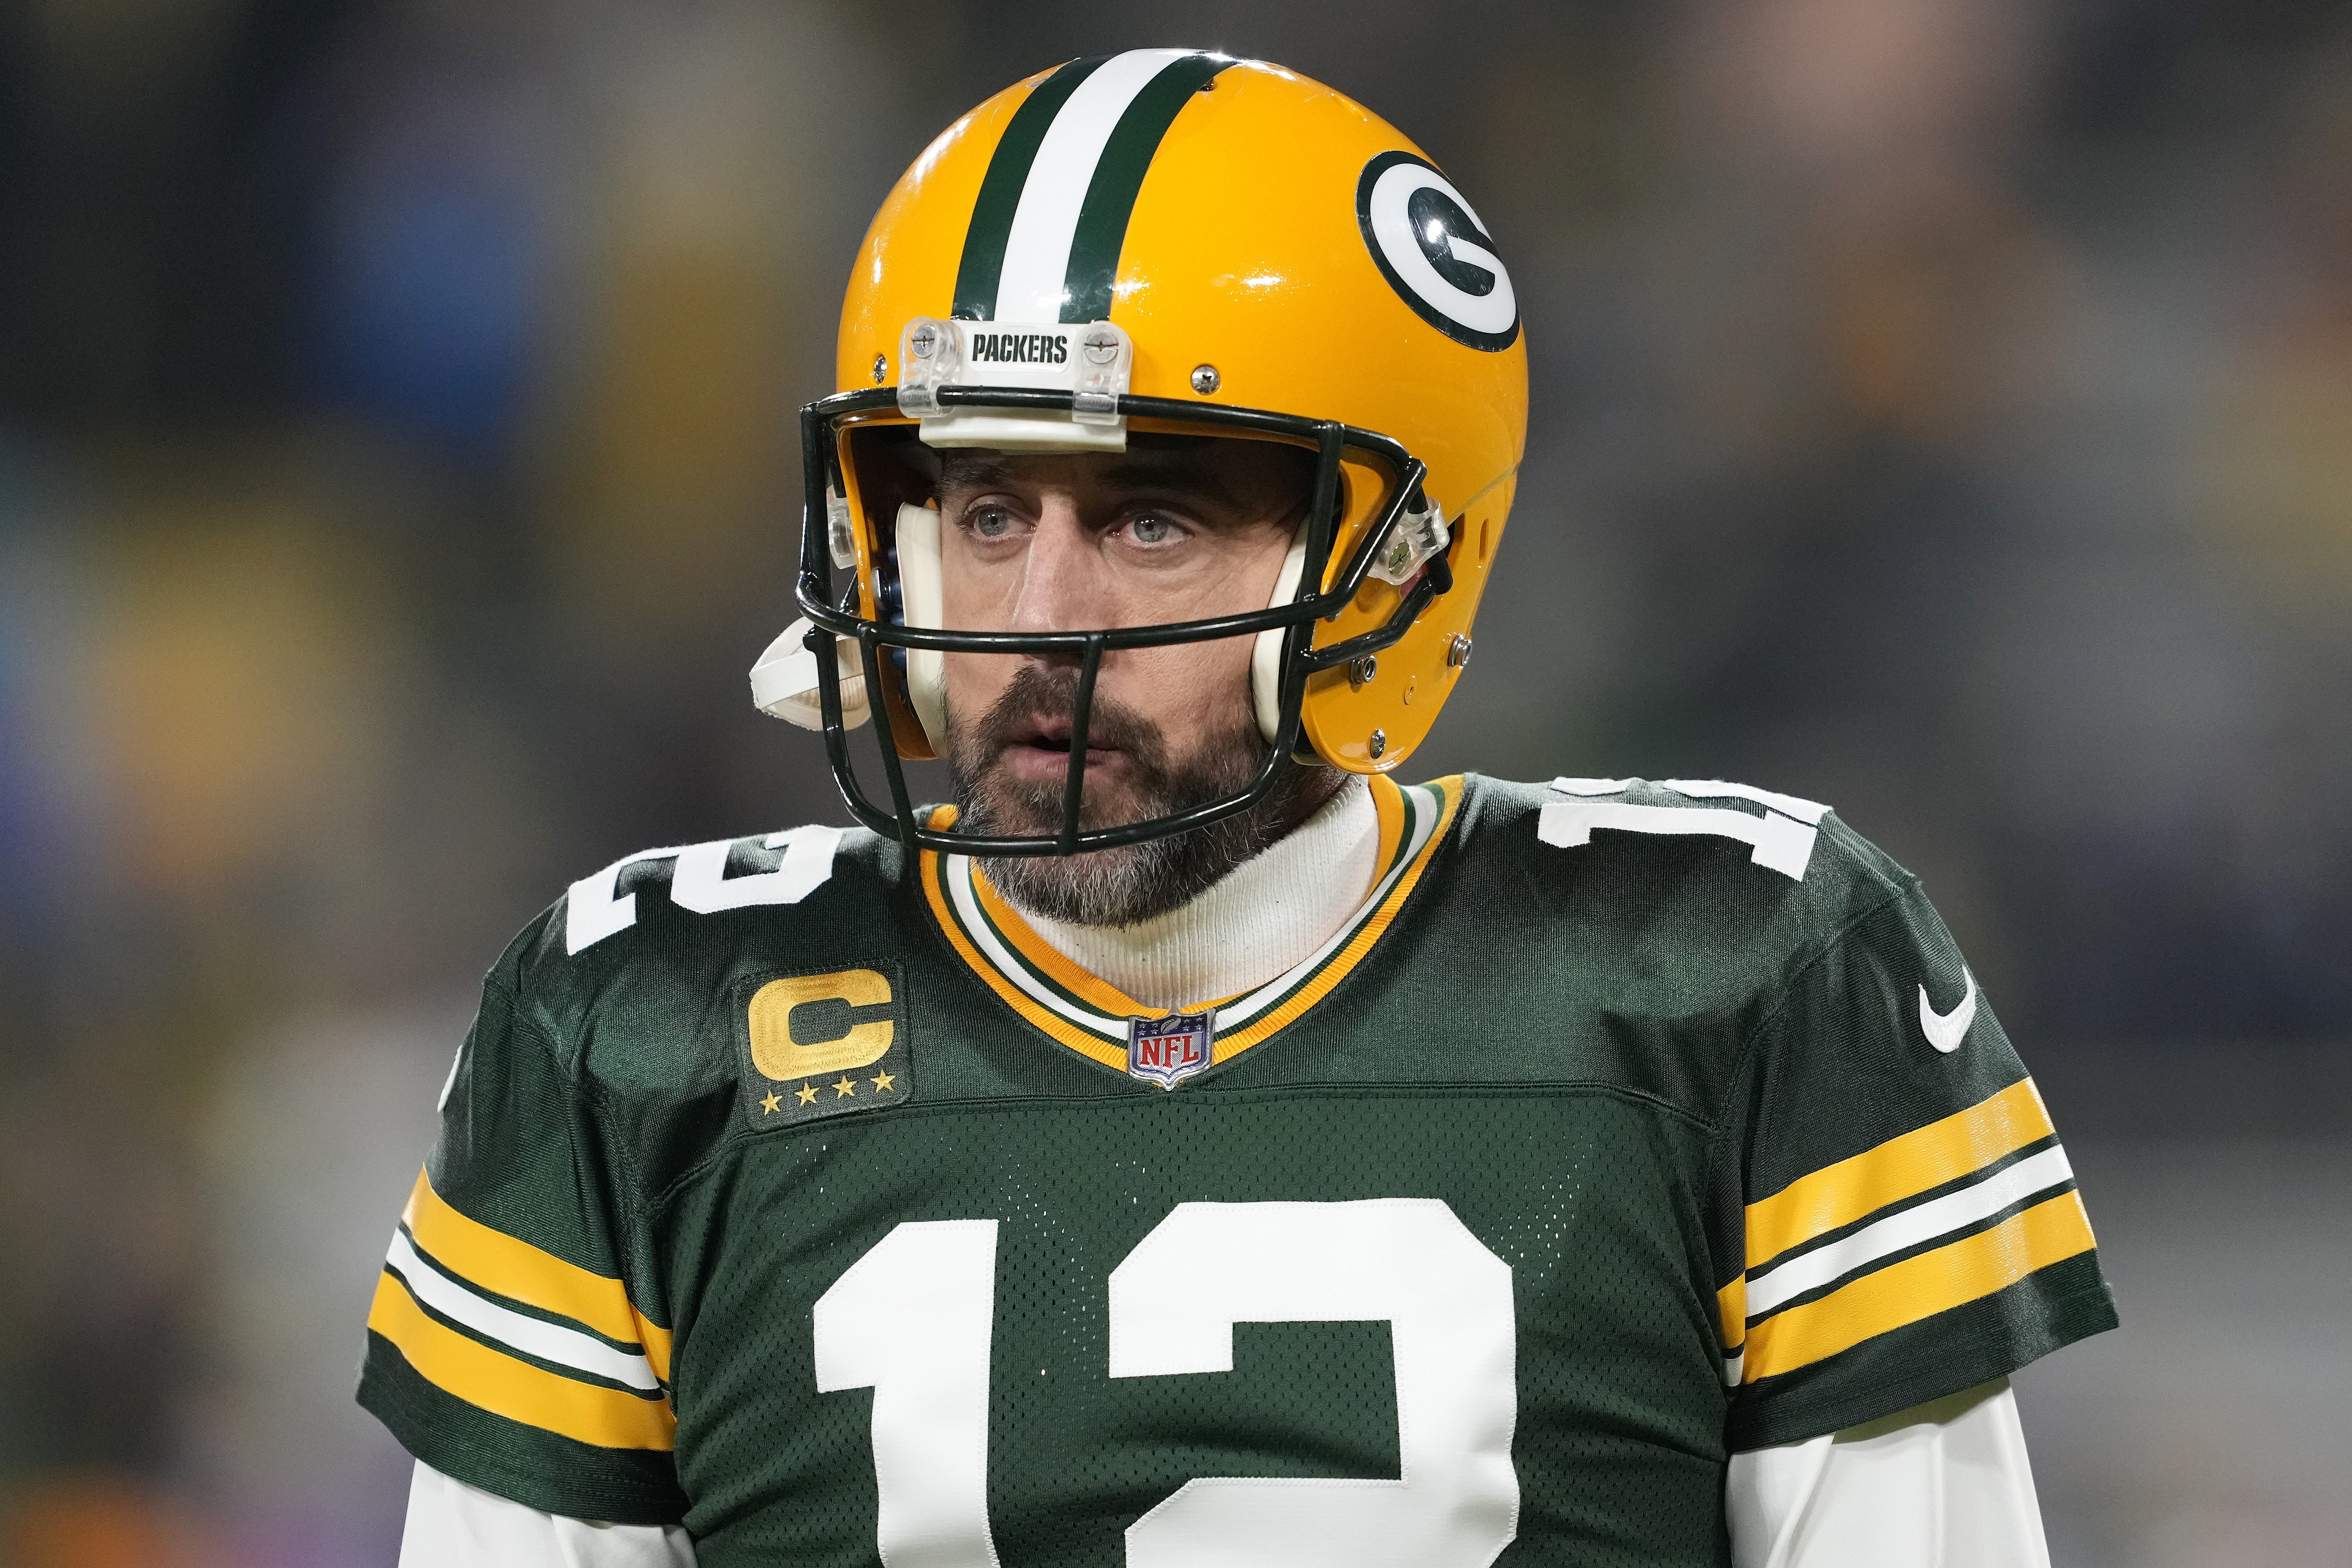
(785, 680)
(919, 597)
(1265, 654)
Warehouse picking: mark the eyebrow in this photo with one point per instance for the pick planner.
(964, 470)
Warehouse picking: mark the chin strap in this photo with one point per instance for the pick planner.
(785, 680)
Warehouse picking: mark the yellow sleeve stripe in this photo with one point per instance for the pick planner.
(498, 1382)
(500, 1264)
(1837, 1195)
(1904, 1293)
(1731, 1311)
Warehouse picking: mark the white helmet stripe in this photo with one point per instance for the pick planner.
(1037, 251)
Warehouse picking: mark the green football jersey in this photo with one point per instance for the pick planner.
(792, 1189)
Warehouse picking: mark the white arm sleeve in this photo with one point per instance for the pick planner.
(1944, 1485)
(452, 1525)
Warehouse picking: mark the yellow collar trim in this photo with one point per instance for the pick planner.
(1089, 1015)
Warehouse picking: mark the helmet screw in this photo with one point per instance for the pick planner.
(1380, 743)
(1205, 379)
(923, 340)
(1457, 651)
(1361, 671)
(881, 369)
(1101, 347)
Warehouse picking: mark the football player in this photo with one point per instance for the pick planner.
(1193, 1146)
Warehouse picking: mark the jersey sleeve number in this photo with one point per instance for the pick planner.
(1781, 840)
(1174, 1301)
(596, 908)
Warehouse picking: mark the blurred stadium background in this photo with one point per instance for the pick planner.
(1942, 409)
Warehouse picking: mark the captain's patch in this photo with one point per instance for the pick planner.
(824, 1045)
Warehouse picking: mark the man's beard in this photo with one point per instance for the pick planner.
(1137, 881)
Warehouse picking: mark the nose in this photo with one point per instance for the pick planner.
(1064, 584)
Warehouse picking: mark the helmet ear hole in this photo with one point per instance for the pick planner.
(922, 593)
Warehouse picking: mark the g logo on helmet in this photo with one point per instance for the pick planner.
(1435, 252)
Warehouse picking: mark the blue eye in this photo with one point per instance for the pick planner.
(988, 522)
(1152, 529)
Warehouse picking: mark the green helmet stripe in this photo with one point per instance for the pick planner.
(1118, 176)
(1001, 187)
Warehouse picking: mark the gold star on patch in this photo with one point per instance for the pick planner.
(846, 1089)
(882, 1080)
(770, 1104)
(807, 1093)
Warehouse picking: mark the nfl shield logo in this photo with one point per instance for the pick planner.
(1167, 1051)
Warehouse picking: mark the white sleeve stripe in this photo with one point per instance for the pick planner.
(548, 1342)
(1769, 1291)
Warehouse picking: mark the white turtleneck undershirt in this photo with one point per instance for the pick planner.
(1268, 914)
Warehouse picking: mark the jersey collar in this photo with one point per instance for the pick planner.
(1090, 1015)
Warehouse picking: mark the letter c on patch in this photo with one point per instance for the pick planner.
(774, 1006)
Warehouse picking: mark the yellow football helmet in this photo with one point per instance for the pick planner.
(1172, 241)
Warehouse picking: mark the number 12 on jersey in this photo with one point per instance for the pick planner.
(912, 1320)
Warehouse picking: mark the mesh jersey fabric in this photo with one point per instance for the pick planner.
(1680, 1082)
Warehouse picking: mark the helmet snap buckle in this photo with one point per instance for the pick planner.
(1418, 535)
(929, 355)
(1106, 358)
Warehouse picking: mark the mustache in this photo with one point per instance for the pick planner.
(1044, 700)
(1115, 887)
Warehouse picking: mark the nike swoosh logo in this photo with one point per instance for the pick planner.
(1945, 1031)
